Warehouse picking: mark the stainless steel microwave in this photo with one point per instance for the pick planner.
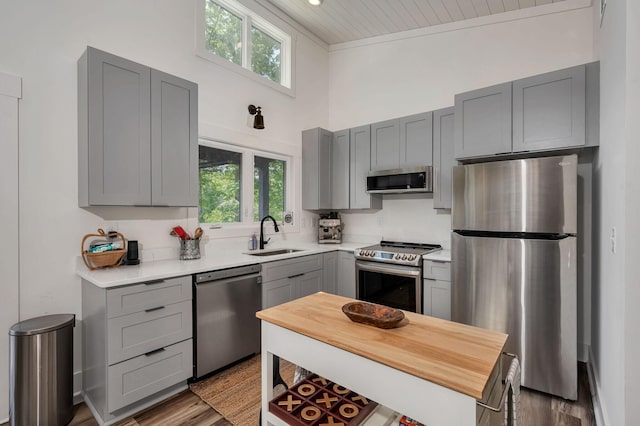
(416, 179)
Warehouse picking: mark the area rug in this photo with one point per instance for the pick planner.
(235, 393)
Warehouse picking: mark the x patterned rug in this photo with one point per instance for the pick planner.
(235, 393)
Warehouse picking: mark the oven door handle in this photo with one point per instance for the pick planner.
(389, 269)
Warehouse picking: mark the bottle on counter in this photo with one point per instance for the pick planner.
(254, 242)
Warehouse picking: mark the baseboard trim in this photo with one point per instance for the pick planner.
(594, 385)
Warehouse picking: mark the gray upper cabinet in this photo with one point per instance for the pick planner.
(114, 142)
(174, 141)
(483, 122)
(552, 111)
(340, 170)
(549, 110)
(416, 140)
(316, 167)
(443, 156)
(137, 134)
(359, 166)
(385, 145)
(402, 142)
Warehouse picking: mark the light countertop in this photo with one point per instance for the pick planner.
(457, 356)
(219, 259)
(441, 256)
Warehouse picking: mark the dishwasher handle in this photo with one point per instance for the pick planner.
(222, 274)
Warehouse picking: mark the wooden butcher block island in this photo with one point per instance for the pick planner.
(430, 369)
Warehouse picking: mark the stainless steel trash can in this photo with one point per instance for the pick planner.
(41, 370)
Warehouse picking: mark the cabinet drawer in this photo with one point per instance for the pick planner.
(437, 270)
(137, 298)
(139, 377)
(135, 334)
(288, 268)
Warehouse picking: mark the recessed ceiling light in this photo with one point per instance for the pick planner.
(315, 2)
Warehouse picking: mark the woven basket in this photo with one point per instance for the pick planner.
(105, 259)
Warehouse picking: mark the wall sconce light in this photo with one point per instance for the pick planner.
(315, 2)
(258, 120)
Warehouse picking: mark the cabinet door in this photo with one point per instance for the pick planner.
(549, 110)
(385, 145)
(340, 170)
(416, 143)
(330, 272)
(483, 122)
(118, 134)
(346, 281)
(359, 166)
(277, 292)
(443, 157)
(174, 141)
(437, 298)
(307, 284)
(316, 166)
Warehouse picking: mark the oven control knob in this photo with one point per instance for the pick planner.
(412, 257)
(397, 256)
(404, 257)
(371, 253)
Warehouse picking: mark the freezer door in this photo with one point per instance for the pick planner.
(535, 195)
(527, 289)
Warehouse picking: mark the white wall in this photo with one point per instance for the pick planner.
(616, 347)
(10, 93)
(371, 82)
(41, 42)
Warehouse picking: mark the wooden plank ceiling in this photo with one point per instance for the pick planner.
(339, 21)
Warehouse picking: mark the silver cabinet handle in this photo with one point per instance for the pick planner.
(154, 309)
(157, 351)
(295, 276)
(154, 282)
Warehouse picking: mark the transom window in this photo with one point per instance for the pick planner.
(240, 185)
(230, 33)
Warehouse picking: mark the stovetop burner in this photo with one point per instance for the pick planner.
(396, 252)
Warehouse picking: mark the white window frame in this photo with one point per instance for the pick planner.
(249, 19)
(246, 187)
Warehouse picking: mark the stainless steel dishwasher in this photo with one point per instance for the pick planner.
(225, 324)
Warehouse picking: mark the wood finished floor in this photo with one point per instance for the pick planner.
(536, 409)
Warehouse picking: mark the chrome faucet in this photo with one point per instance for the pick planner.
(275, 227)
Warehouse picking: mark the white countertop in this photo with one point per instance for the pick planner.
(441, 256)
(220, 259)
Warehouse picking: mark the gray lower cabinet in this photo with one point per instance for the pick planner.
(443, 157)
(346, 277)
(286, 280)
(137, 134)
(340, 170)
(330, 272)
(402, 142)
(340, 273)
(316, 169)
(436, 292)
(551, 111)
(137, 344)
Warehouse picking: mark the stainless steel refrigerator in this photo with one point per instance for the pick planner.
(514, 263)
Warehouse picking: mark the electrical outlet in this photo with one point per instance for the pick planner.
(287, 218)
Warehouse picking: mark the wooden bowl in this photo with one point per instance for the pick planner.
(372, 314)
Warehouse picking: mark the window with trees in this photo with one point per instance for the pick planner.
(240, 185)
(233, 33)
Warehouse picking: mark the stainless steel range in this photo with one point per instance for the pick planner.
(390, 273)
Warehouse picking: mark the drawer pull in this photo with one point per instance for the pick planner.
(295, 276)
(157, 351)
(154, 282)
(154, 309)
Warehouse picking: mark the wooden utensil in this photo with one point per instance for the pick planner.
(197, 234)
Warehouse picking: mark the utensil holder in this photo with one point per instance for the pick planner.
(189, 249)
